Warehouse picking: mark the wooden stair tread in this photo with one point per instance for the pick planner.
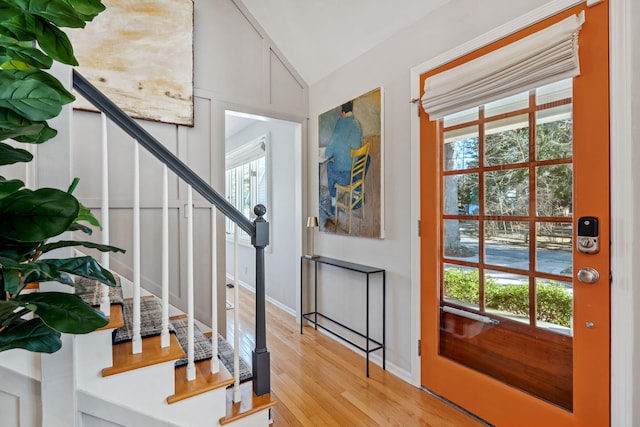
(152, 354)
(116, 319)
(248, 405)
(205, 381)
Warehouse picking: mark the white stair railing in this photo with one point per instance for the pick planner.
(164, 335)
(105, 304)
(191, 367)
(258, 230)
(137, 339)
(215, 363)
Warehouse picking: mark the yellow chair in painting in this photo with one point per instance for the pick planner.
(350, 197)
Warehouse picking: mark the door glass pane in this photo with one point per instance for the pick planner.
(461, 194)
(554, 92)
(554, 133)
(554, 306)
(554, 185)
(507, 141)
(461, 149)
(507, 294)
(506, 243)
(465, 116)
(506, 105)
(507, 192)
(246, 191)
(461, 240)
(554, 248)
(461, 285)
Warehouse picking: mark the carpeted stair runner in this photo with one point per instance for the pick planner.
(150, 320)
(151, 324)
(91, 293)
(202, 349)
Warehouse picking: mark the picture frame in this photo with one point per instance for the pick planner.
(351, 167)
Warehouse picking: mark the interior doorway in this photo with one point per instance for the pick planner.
(263, 165)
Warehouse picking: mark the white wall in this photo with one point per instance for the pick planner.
(388, 65)
(280, 256)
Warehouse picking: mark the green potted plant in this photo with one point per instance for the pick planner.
(30, 40)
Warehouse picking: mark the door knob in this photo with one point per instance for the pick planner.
(588, 275)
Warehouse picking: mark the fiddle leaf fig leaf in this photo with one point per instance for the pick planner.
(7, 308)
(10, 155)
(30, 98)
(86, 9)
(80, 227)
(70, 243)
(54, 41)
(43, 77)
(12, 125)
(11, 280)
(82, 266)
(34, 216)
(39, 276)
(32, 335)
(85, 214)
(8, 12)
(19, 25)
(45, 134)
(56, 11)
(65, 312)
(43, 269)
(17, 251)
(8, 186)
(30, 56)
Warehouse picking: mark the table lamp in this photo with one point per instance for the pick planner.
(312, 223)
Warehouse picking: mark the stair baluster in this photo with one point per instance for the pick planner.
(105, 304)
(215, 363)
(164, 335)
(237, 394)
(137, 339)
(191, 367)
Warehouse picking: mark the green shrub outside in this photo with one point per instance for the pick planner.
(554, 304)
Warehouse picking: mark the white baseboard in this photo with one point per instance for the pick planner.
(252, 289)
(374, 358)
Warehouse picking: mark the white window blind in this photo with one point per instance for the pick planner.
(541, 58)
(246, 153)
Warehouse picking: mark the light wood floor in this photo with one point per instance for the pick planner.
(320, 382)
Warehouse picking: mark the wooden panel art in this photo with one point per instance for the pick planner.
(140, 53)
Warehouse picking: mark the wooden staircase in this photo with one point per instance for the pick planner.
(149, 388)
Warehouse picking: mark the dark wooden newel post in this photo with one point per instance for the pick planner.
(261, 364)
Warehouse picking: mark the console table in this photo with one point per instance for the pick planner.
(312, 316)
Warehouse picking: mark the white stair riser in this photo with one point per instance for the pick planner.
(259, 419)
(140, 388)
(99, 411)
(93, 354)
(191, 412)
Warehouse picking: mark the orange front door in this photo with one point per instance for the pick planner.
(509, 330)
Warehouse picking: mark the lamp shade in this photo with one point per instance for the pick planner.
(312, 221)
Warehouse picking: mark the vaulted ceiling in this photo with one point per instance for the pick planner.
(319, 36)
